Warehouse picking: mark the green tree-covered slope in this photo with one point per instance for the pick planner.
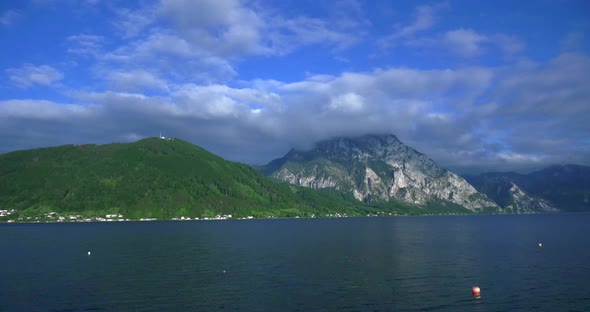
(152, 178)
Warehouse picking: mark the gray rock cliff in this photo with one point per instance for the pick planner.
(376, 166)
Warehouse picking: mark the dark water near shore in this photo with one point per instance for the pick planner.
(360, 264)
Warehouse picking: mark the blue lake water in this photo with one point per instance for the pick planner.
(356, 264)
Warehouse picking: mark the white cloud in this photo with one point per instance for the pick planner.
(169, 57)
(464, 42)
(85, 44)
(206, 102)
(221, 101)
(30, 75)
(132, 23)
(392, 100)
(35, 110)
(176, 61)
(424, 19)
(135, 80)
(556, 87)
(229, 28)
(184, 41)
(347, 103)
(285, 35)
(469, 43)
(224, 27)
(538, 111)
(158, 44)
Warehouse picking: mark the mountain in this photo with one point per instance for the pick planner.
(151, 178)
(377, 168)
(560, 187)
(508, 195)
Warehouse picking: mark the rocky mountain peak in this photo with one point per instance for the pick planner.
(376, 166)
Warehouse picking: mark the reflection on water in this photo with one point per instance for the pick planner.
(365, 264)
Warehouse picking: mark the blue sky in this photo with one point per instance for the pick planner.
(476, 85)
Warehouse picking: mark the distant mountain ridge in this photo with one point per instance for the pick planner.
(376, 167)
(369, 175)
(555, 188)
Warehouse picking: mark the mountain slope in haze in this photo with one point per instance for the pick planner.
(376, 167)
(560, 187)
(508, 195)
(151, 178)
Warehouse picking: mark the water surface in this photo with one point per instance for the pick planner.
(356, 264)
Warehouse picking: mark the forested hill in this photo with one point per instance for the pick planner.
(151, 178)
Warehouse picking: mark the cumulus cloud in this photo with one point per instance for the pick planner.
(29, 75)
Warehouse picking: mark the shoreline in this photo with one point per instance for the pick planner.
(289, 218)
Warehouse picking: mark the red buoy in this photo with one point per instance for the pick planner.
(475, 290)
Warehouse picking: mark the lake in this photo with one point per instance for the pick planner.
(355, 264)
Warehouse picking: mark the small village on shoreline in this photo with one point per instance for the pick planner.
(54, 217)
